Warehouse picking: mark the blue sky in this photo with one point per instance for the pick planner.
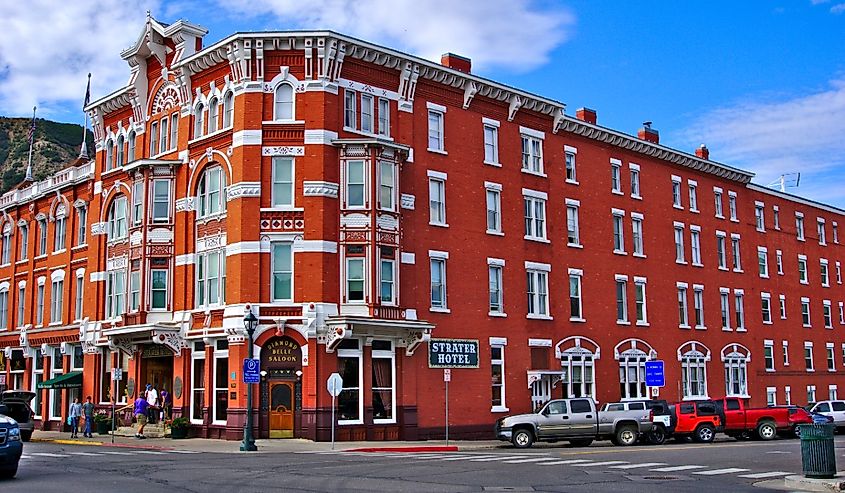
(761, 83)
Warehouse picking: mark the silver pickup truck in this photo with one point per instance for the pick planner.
(575, 420)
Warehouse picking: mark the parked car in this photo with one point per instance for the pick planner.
(662, 417)
(834, 409)
(17, 402)
(575, 420)
(798, 416)
(11, 447)
(698, 420)
(765, 423)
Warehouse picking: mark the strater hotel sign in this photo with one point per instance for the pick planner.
(453, 353)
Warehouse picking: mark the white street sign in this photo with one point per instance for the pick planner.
(447, 375)
(117, 374)
(335, 384)
(655, 391)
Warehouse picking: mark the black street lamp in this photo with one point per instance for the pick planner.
(248, 445)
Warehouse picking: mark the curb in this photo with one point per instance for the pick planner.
(61, 441)
(433, 448)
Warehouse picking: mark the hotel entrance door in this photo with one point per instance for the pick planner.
(281, 409)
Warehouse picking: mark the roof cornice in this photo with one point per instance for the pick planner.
(795, 198)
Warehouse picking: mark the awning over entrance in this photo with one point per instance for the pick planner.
(72, 380)
(409, 333)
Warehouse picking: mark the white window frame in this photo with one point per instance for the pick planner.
(197, 355)
(640, 301)
(277, 268)
(803, 274)
(576, 293)
(732, 205)
(622, 300)
(437, 263)
(717, 199)
(766, 307)
(573, 226)
(736, 252)
(350, 111)
(827, 313)
(382, 354)
(725, 308)
(355, 353)
(384, 117)
(799, 226)
(349, 184)
(537, 290)
(436, 130)
(636, 189)
(437, 199)
(534, 209)
(219, 356)
(637, 234)
(809, 360)
(532, 151)
(616, 176)
(695, 245)
(694, 370)
(721, 250)
(739, 310)
(769, 355)
(493, 201)
(281, 183)
(763, 262)
(759, 216)
(495, 275)
(490, 130)
(683, 306)
(693, 195)
(806, 321)
(618, 231)
(680, 255)
(350, 279)
(156, 218)
(698, 306)
(368, 109)
(500, 344)
(570, 164)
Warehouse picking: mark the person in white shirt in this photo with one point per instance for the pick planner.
(152, 403)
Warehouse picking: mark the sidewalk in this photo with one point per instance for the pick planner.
(266, 446)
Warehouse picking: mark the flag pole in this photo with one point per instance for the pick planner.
(31, 140)
(83, 152)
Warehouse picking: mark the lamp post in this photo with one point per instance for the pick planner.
(248, 445)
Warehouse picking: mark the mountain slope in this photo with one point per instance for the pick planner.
(56, 145)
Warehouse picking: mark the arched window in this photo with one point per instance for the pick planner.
(212, 115)
(117, 219)
(199, 121)
(694, 357)
(228, 109)
(131, 155)
(120, 151)
(109, 154)
(577, 360)
(736, 358)
(632, 355)
(283, 99)
(210, 192)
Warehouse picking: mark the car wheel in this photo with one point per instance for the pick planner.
(522, 438)
(796, 431)
(704, 434)
(26, 436)
(767, 430)
(9, 473)
(626, 435)
(581, 442)
(657, 436)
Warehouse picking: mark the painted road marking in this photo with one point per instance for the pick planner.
(677, 468)
(635, 466)
(569, 461)
(762, 475)
(533, 459)
(184, 452)
(501, 457)
(24, 456)
(716, 472)
(469, 457)
(87, 454)
(604, 463)
(434, 456)
(116, 453)
(47, 454)
(150, 452)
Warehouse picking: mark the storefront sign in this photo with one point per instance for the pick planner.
(281, 352)
(156, 351)
(453, 353)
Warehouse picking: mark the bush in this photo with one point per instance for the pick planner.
(180, 424)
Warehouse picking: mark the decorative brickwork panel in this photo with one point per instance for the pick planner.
(211, 227)
(282, 221)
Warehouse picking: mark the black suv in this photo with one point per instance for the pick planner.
(17, 404)
(664, 420)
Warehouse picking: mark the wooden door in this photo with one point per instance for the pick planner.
(281, 410)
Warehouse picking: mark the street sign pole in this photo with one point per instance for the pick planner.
(113, 396)
(333, 421)
(335, 386)
(447, 377)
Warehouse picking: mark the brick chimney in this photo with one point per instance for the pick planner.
(703, 152)
(648, 134)
(586, 114)
(457, 62)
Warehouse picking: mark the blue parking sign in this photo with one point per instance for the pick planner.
(252, 371)
(654, 376)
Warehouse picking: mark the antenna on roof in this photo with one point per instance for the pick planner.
(790, 180)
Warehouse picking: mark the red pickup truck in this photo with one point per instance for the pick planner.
(764, 423)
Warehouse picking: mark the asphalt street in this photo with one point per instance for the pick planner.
(675, 467)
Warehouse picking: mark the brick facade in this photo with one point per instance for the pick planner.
(341, 190)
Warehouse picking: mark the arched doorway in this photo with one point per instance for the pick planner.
(281, 387)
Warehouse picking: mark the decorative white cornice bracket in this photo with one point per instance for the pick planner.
(243, 189)
(283, 151)
(407, 201)
(320, 189)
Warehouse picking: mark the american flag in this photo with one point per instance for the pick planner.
(32, 128)
(87, 94)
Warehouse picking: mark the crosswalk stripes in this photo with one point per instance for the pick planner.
(564, 462)
(604, 463)
(466, 457)
(532, 459)
(638, 466)
(677, 468)
(47, 454)
(717, 472)
(764, 475)
(86, 454)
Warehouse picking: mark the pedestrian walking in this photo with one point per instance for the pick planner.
(166, 403)
(74, 414)
(152, 403)
(141, 415)
(88, 412)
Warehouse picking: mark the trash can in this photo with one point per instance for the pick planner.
(818, 457)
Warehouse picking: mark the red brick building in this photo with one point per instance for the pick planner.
(363, 201)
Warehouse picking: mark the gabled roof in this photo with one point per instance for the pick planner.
(154, 33)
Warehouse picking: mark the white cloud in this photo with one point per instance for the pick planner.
(512, 34)
(838, 8)
(47, 49)
(772, 136)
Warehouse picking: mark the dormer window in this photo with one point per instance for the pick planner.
(283, 102)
